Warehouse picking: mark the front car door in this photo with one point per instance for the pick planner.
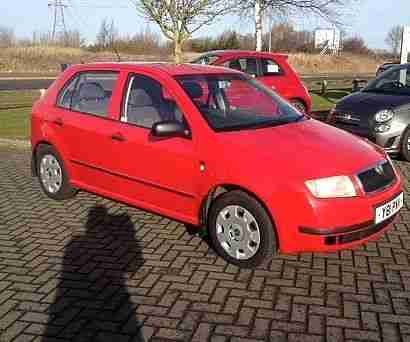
(157, 173)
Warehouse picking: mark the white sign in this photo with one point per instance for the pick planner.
(329, 37)
(405, 45)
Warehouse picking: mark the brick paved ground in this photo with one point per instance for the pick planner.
(90, 269)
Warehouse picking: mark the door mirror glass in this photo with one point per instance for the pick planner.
(170, 129)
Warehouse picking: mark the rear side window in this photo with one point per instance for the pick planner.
(270, 67)
(89, 93)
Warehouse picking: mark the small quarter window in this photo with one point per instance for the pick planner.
(65, 97)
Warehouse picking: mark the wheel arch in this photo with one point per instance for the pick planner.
(220, 189)
(34, 156)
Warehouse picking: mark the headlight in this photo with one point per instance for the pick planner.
(332, 187)
(384, 115)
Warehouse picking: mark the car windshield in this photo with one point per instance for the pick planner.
(236, 102)
(393, 81)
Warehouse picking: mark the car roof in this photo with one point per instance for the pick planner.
(244, 53)
(171, 69)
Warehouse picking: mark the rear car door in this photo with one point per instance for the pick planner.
(82, 119)
(160, 173)
(273, 76)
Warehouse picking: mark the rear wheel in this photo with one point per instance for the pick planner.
(298, 105)
(52, 175)
(405, 145)
(240, 229)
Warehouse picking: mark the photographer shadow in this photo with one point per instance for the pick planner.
(92, 302)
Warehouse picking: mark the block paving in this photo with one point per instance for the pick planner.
(90, 269)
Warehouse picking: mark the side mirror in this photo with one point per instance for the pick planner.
(170, 129)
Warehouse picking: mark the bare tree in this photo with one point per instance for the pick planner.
(329, 10)
(179, 19)
(7, 37)
(393, 39)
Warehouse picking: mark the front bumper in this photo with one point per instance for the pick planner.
(390, 140)
(326, 225)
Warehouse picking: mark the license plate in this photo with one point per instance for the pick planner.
(389, 209)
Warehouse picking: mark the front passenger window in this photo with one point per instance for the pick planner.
(147, 102)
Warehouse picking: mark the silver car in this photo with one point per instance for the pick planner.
(380, 112)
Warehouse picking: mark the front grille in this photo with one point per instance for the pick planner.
(377, 178)
(346, 118)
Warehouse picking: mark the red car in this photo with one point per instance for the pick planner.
(272, 69)
(212, 147)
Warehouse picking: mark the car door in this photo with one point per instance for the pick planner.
(273, 76)
(158, 173)
(83, 120)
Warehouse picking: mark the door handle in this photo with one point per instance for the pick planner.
(58, 122)
(118, 137)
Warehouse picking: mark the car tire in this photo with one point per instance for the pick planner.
(52, 175)
(405, 145)
(299, 105)
(241, 230)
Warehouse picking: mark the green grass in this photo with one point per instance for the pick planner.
(15, 123)
(15, 109)
(328, 100)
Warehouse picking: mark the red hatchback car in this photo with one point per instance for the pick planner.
(212, 147)
(271, 69)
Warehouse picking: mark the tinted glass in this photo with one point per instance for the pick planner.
(208, 59)
(393, 81)
(270, 67)
(65, 96)
(234, 102)
(247, 65)
(93, 92)
(148, 102)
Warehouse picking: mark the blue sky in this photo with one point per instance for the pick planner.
(371, 19)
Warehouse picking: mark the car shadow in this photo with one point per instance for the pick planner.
(92, 302)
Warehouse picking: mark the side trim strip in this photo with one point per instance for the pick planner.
(184, 194)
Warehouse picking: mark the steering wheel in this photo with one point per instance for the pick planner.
(395, 84)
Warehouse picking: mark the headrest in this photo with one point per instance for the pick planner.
(235, 65)
(193, 89)
(139, 97)
(91, 90)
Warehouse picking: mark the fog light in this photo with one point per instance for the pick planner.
(382, 128)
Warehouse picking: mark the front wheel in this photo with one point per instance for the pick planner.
(240, 229)
(405, 145)
(299, 106)
(52, 175)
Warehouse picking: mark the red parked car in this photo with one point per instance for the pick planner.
(212, 147)
(271, 69)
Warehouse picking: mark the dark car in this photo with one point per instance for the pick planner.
(380, 112)
(386, 66)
